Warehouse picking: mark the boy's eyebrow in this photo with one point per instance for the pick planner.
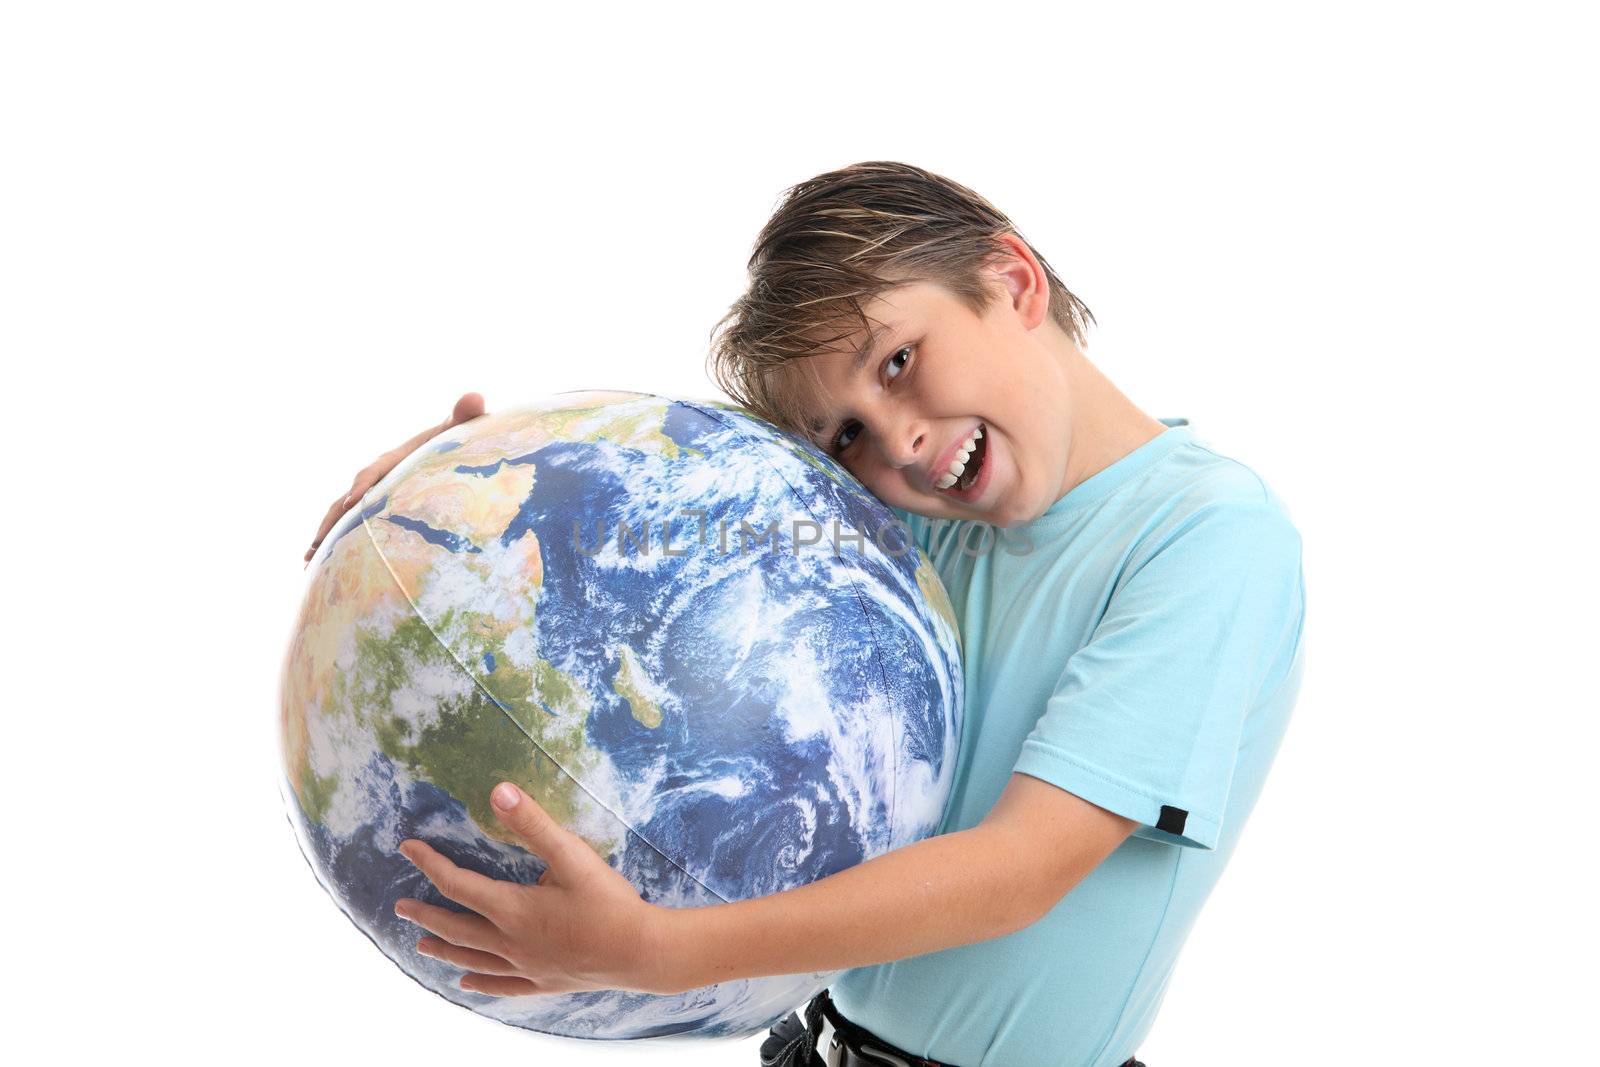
(874, 335)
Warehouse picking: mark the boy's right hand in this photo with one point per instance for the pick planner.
(467, 408)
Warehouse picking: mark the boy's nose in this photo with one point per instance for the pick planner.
(904, 445)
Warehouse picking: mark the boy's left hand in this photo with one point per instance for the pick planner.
(583, 926)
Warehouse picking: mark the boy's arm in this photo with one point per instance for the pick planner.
(985, 882)
(584, 926)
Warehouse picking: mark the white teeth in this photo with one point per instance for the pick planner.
(958, 465)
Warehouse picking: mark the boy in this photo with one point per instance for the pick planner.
(1130, 606)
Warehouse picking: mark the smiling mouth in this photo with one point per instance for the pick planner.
(959, 481)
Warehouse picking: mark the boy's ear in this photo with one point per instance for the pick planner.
(1024, 279)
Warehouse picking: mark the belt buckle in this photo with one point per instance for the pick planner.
(832, 1046)
(835, 1052)
(882, 1055)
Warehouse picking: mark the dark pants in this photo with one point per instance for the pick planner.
(792, 1043)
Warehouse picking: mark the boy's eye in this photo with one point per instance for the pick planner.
(892, 368)
(847, 433)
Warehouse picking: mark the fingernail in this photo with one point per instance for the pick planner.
(504, 796)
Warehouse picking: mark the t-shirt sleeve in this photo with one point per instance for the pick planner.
(1146, 718)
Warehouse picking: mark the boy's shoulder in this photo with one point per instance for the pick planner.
(1196, 499)
(1206, 494)
(1202, 476)
(1190, 478)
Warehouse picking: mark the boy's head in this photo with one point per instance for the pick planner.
(899, 321)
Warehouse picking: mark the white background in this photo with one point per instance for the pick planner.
(245, 248)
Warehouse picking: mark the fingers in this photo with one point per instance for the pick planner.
(468, 959)
(338, 508)
(469, 407)
(496, 986)
(547, 839)
(482, 894)
(469, 931)
(365, 479)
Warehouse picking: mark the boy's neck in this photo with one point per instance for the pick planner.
(1106, 425)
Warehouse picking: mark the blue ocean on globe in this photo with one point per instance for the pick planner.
(696, 641)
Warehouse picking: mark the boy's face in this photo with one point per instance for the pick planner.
(938, 381)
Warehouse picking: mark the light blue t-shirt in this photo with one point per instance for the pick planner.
(1137, 645)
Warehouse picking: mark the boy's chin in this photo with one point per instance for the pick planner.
(928, 509)
(956, 509)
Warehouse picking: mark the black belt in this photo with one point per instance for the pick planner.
(824, 1033)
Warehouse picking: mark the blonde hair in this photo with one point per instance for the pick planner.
(836, 242)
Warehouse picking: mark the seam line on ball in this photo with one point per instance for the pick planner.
(478, 682)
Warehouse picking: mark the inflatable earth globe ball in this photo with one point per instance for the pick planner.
(696, 641)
